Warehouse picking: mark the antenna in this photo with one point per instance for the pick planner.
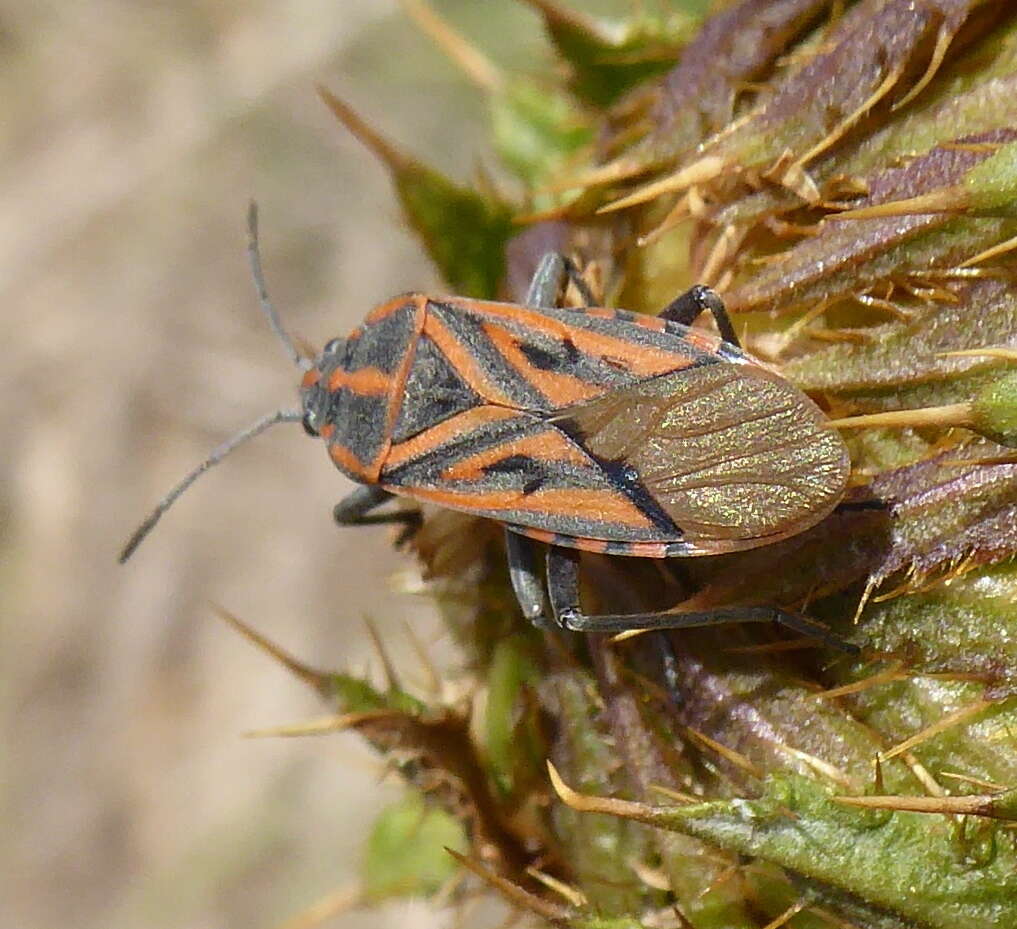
(254, 257)
(280, 416)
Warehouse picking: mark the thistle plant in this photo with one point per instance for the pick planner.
(844, 175)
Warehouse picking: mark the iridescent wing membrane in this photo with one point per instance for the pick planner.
(604, 430)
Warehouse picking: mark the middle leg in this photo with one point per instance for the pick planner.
(687, 308)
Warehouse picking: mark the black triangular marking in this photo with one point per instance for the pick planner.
(434, 392)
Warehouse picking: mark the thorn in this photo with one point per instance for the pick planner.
(573, 894)
(871, 583)
(474, 63)
(921, 773)
(878, 784)
(675, 794)
(513, 892)
(654, 878)
(699, 172)
(736, 758)
(977, 781)
(891, 674)
(394, 159)
(563, 16)
(433, 685)
(817, 764)
(786, 916)
(973, 805)
(943, 40)
(391, 676)
(1001, 249)
(721, 253)
(585, 803)
(1006, 354)
(613, 171)
(680, 211)
(951, 719)
(944, 200)
(333, 904)
(952, 414)
(319, 680)
(881, 303)
(848, 122)
(322, 726)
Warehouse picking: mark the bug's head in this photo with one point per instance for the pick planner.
(315, 397)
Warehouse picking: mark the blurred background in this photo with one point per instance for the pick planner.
(134, 135)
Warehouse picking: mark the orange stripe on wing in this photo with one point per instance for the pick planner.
(561, 389)
(640, 360)
(452, 428)
(549, 445)
(465, 364)
(602, 505)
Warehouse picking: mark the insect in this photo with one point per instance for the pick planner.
(581, 428)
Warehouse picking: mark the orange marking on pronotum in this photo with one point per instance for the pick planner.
(549, 445)
(601, 505)
(390, 307)
(446, 431)
(343, 457)
(369, 382)
(397, 394)
(310, 378)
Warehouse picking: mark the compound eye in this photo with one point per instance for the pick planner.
(331, 346)
(308, 423)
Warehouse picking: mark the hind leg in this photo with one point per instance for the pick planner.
(563, 588)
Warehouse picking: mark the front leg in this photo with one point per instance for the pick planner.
(355, 510)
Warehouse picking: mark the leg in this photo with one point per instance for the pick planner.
(355, 510)
(548, 284)
(526, 582)
(563, 587)
(690, 304)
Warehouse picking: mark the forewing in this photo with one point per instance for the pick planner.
(547, 359)
(520, 469)
(735, 455)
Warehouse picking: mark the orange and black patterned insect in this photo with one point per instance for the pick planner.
(582, 428)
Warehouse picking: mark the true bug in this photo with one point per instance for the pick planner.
(582, 428)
